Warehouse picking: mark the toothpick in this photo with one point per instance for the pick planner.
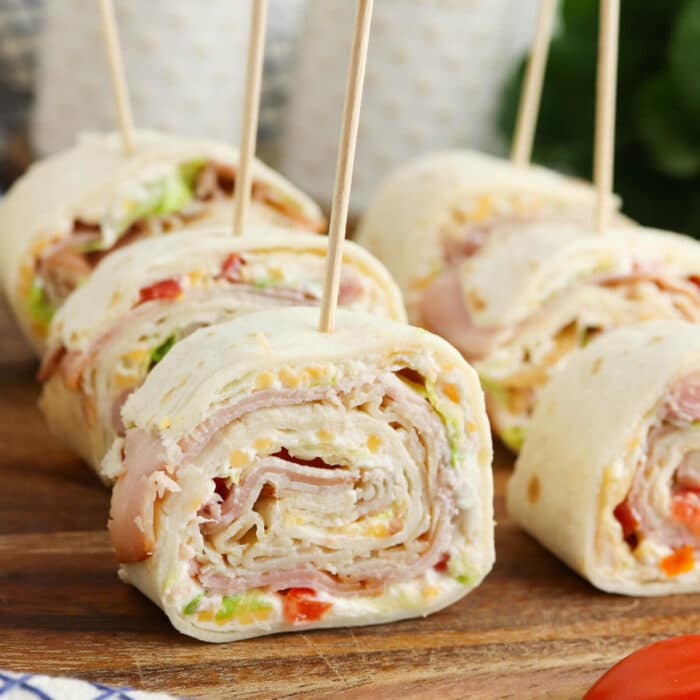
(251, 110)
(346, 159)
(529, 107)
(604, 151)
(116, 68)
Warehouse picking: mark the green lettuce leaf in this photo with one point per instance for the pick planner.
(158, 353)
(169, 194)
(192, 606)
(497, 392)
(265, 282)
(40, 308)
(513, 437)
(250, 601)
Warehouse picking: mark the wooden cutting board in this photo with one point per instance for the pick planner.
(533, 629)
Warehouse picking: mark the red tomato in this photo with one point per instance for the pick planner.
(667, 670)
(628, 519)
(685, 507)
(442, 562)
(165, 289)
(231, 267)
(695, 280)
(300, 605)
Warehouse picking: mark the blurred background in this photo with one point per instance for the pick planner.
(441, 73)
(435, 75)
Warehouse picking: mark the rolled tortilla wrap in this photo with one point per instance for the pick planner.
(609, 475)
(441, 208)
(275, 478)
(527, 301)
(144, 299)
(61, 218)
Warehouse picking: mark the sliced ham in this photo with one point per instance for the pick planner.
(192, 444)
(63, 266)
(683, 403)
(303, 577)
(271, 469)
(136, 492)
(682, 407)
(119, 401)
(371, 576)
(133, 498)
(134, 495)
(351, 288)
(443, 311)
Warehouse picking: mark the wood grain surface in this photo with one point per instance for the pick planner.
(532, 630)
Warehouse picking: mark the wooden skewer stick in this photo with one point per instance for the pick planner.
(116, 68)
(529, 107)
(346, 159)
(606, 89)
(251, 110)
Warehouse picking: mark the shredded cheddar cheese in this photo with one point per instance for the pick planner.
(451, 391)
(288, 377)
(373, 443)
(262, 444)
(124, 381)
(483, 208)
(205, 615)
(238, 458)
(136, 356)
(264, 380)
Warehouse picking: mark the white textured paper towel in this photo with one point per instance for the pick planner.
(435, 71)
(184, 60)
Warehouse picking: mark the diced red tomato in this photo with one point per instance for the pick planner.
(301, 605)
(666, 670)
(695, 280)
(628, 520)
(681, 561)
(442, 562)
(685, 507)
(221, 487)
(165, 289)
(231, 267)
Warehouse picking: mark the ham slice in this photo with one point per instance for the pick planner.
(63, 266)
(682, 406)
(443, 311)
(683, 402)
(303, 577)
(134, 496)
(283, 474)
(192, 444)
(371, 577)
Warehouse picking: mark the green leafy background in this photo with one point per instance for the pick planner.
(657, 154)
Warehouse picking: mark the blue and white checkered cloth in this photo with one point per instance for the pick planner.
(29, 686)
